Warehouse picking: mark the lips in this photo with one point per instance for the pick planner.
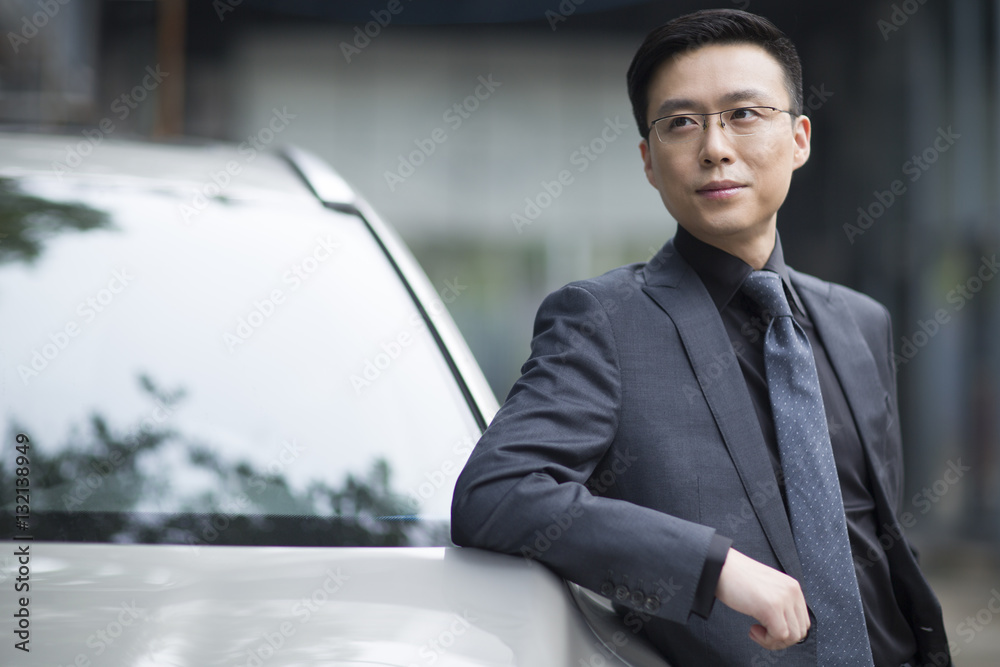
(720, 189)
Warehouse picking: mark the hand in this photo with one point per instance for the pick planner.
(771, 597)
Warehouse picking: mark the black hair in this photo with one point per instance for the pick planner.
(701, 28)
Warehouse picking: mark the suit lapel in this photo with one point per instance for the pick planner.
(675, 287)
(855, 367)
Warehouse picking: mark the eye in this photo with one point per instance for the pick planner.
(680, 123)
(746, 115)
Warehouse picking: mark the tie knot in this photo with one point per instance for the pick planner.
(764, 287)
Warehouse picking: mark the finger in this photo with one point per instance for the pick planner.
(805, 630)
(802, 613)
(798, 618)
(759, 634)
(800, 628)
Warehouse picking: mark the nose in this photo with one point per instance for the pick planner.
(716, 142)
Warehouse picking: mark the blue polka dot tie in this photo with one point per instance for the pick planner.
(815, 505)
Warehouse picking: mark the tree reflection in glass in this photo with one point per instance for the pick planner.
(104, 483)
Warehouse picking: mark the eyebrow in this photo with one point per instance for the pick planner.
(671, 106)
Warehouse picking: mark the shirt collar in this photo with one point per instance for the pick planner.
(723, 274)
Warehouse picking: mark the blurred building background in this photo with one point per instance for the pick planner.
(498, 139)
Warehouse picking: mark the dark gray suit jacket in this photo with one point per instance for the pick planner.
(631, 438)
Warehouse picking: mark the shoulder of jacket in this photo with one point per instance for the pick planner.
(612, 282)
(856, 301)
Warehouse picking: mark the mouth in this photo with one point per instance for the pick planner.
(720, 189)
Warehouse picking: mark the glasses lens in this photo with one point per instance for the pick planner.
(739, 122)
(747, 120)
(678, 129)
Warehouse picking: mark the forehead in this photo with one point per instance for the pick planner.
(718, 74)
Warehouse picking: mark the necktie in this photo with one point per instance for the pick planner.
(815, 505)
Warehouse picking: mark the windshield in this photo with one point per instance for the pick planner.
(254, 373)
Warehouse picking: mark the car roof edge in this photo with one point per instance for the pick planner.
(325, 183)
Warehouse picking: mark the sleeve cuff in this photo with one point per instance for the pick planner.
(704, 595)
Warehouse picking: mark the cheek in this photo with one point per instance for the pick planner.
(774, 168)
(674, 194)
(669, 171)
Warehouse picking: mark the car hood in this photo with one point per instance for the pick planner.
(145, 605)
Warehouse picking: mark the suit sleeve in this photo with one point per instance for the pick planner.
(522, 490)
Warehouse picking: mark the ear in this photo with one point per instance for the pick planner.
(802, 133)
(647, 161)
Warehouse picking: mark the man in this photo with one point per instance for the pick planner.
(713, 424)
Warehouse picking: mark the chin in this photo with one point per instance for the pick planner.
(727, 228)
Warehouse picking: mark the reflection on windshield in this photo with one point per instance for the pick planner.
(264, 312)
(99, 484)
(26, 221)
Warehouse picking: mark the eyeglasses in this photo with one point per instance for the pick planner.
(741, 122)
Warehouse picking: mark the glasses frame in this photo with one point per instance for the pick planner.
(704, 122)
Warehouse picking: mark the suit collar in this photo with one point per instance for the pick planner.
(665, 268)
(721, 273)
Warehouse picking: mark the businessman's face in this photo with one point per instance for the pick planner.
(721, 187)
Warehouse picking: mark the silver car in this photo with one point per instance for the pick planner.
(235, 410)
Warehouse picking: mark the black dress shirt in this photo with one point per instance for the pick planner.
(723, 274)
